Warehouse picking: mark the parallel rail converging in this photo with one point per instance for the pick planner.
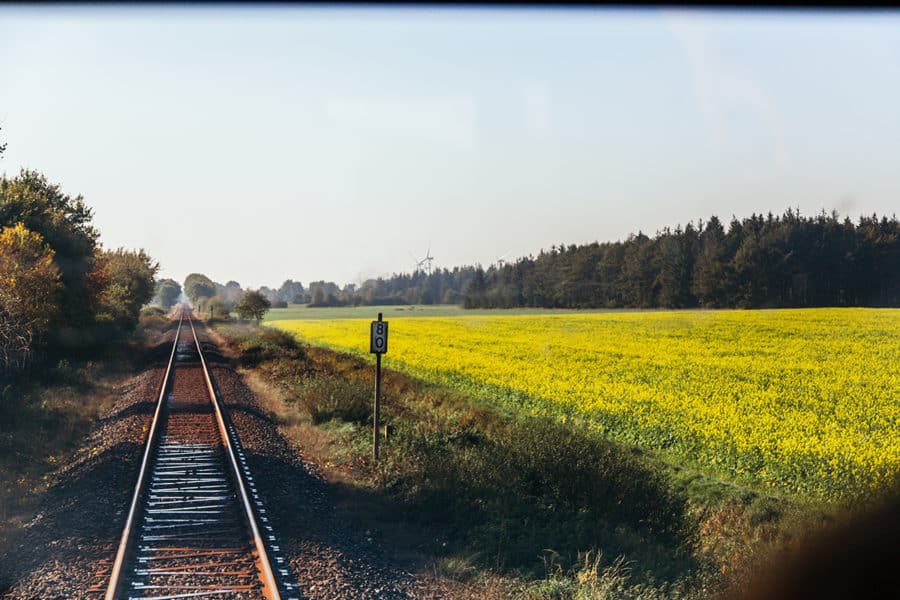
(196, 526)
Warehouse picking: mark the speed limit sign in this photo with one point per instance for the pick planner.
(379, 337)
(377, 346)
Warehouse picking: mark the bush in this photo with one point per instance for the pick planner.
(151, 311)
(512, 487)
(217, 308)
(153, 321)
(325, 398)
(587, 472)
(263, 345)
(129, 277)
(252, 305)
(279, 304)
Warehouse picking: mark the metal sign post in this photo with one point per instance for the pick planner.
(378, 339)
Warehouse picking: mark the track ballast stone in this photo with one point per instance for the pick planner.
(66, 550)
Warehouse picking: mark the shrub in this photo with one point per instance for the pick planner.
(325, 398)
(129, 277)
(515, 486)
(258, 346)
(217, 307)
(153, 320)
(253, 305)
(29, 293)
(150, 311)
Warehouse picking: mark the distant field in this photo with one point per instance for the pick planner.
(403, 311)
(806, 401)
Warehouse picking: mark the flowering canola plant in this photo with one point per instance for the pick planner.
(804, 400)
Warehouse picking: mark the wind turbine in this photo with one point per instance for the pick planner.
(428, 258)
(501, 260)
(423, 261)
(416, 262)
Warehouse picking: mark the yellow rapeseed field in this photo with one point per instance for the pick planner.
(802, 400)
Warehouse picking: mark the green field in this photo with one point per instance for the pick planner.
(301, 312)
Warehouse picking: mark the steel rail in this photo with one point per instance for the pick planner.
(142, 475)
(156, 457)
(270, 586)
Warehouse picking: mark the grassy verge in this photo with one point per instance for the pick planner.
(392, 311)
(45, 414)
(551, 510)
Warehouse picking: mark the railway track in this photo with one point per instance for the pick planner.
(196, 527)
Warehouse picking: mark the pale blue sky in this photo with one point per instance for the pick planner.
(308, 143)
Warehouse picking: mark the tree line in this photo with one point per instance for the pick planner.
(219, 300)
(760, 261)
(443, 286)
(60, 290)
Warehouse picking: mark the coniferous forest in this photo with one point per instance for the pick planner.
(761, 261)
(757, 262)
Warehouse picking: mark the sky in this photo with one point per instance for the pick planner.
(261, 144)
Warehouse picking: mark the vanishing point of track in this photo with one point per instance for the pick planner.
(196, 526)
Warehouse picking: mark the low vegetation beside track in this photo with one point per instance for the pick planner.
(44, 420)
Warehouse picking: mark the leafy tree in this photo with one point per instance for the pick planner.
(29, 276)
(2, 146)
(130, 284)
(289, 290)
(216, 306)
(197, 286)
(96, 293)
(327, 288)
(167, 293)
(65, 225)
(231, 294)
(253, 305)
(29, 293)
